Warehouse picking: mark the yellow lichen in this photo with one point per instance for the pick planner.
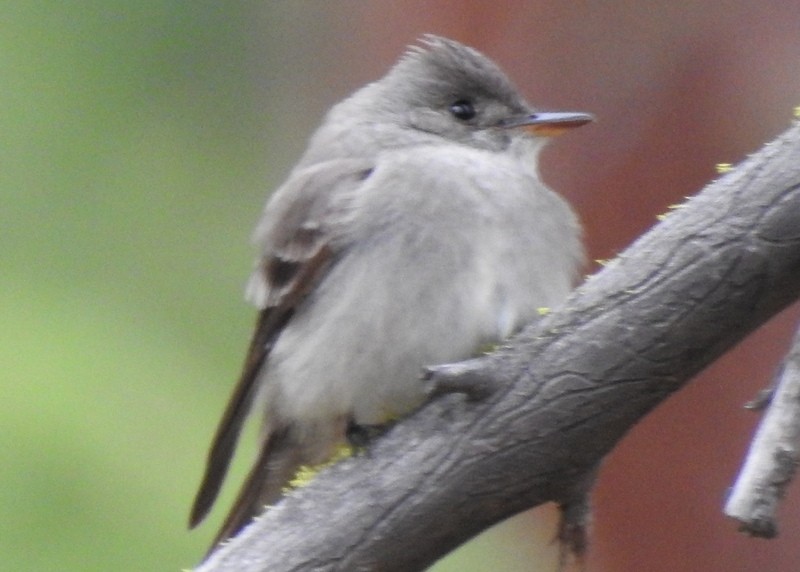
(305, 474)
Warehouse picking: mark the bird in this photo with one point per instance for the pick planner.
(414, 230)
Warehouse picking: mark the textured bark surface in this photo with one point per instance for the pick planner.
(564, 391)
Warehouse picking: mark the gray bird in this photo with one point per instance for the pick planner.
(413, 231)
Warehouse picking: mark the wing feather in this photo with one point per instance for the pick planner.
(301, 233)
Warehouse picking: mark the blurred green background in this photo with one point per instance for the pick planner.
(138, 144)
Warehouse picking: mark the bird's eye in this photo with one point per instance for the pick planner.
(463, 110)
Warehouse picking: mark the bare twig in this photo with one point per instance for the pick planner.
(773, 457)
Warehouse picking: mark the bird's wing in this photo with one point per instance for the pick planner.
(301, 233)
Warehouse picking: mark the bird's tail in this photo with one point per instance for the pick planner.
(283, 452)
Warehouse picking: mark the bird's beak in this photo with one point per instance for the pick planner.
(547, 124)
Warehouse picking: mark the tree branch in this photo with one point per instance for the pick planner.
(773, 457)
(566, 389)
